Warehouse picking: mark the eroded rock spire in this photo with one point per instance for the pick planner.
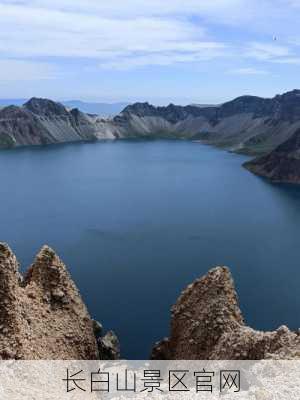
(42, 316)
(207, 324)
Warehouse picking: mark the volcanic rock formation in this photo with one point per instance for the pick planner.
(207, 324)
(247, 124)
(42, 121)
(282, 164)
(42, 315)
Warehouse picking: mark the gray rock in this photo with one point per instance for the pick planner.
(247, 124)
(109, 346)
(45, 317)
(280, 165)
(221, 333)
(98, 328)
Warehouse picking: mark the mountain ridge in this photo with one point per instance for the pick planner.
(248, 124)
(102, 109)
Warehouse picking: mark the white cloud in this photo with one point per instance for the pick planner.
(23, 70)
(266, 51)
(134, 8)
(294, 3)
(136, 33)
(273, 53)
(206, 52)
(288, 60)
(249, 71)
(39, 32)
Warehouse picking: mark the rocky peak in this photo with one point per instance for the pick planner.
(292, 94)
(42, 316)
(45, 107)
(202, 313)
(282, 107)
(207, 324)
(243, 104)
(140, 109)
(287, 106)
(172, 113)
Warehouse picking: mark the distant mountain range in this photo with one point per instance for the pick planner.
(102, 109)
(247, 124)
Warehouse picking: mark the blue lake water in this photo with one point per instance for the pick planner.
(136, 222)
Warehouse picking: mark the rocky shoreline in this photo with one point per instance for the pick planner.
(42, 316)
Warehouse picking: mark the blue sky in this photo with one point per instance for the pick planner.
(204, 51)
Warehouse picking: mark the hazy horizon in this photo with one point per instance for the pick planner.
(124, 102)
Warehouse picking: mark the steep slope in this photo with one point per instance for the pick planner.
(282, 164)
(20, 127)
(248, 124)
(64, 125)
(207, 324)
(42, 121)
(42, 316)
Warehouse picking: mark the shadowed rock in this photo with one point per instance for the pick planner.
(282, 164)
(207, 324)
(109, 346)
(42, 317)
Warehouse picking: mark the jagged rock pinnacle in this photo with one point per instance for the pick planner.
(42, 316)
(207, 324)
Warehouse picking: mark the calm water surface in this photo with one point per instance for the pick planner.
(137, 221)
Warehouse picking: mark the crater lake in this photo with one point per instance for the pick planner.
(137, 221)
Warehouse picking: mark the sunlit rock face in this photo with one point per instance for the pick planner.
(207, 324)
(42, 121)
(247, 124)
(42, 315)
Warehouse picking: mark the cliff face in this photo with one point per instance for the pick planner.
(42, 315)
(42, 121)
(248, 124)
(207, 324)
(282, 164)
